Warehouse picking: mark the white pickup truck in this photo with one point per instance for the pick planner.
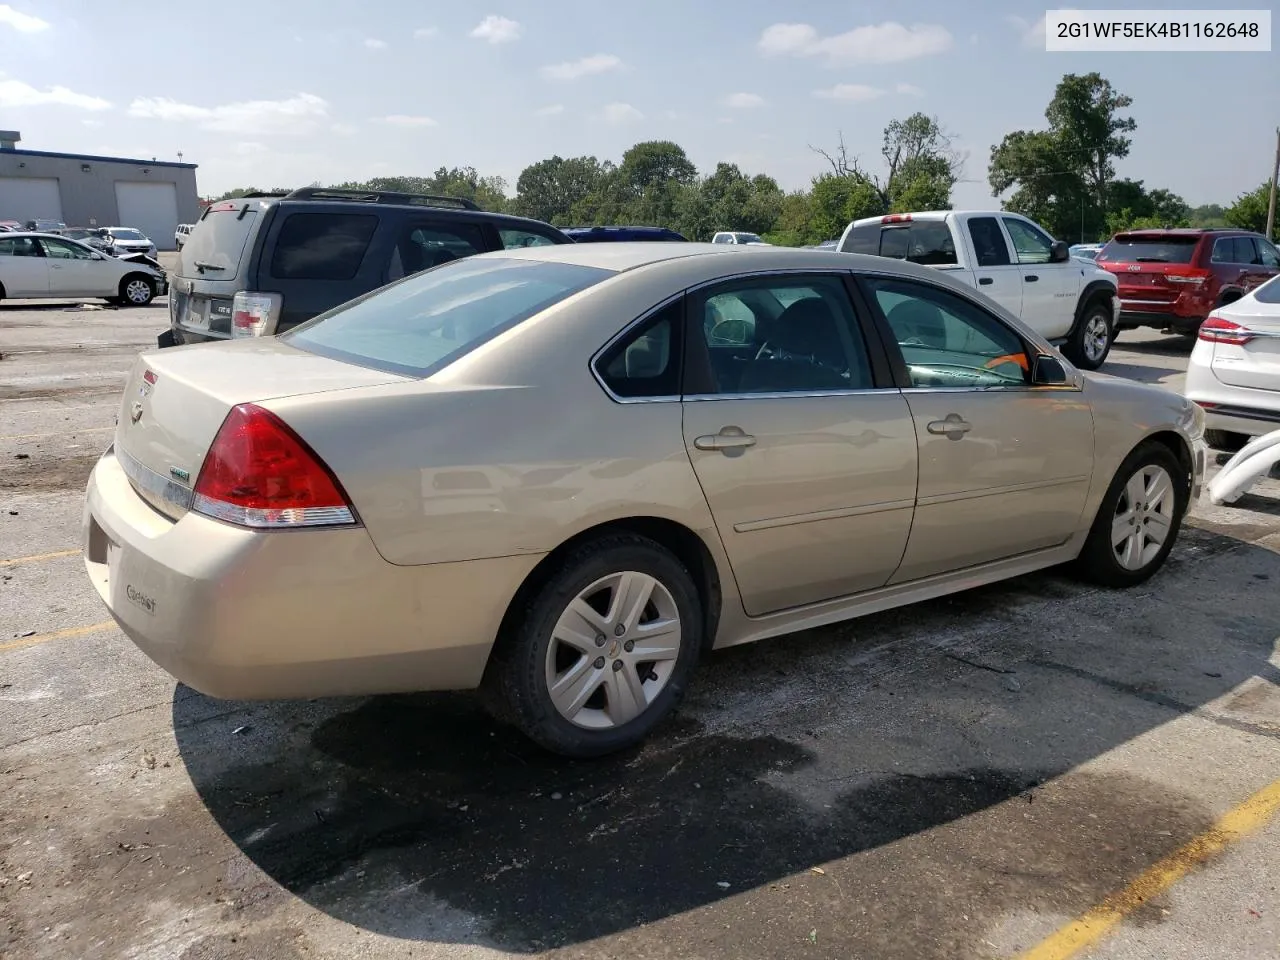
(1007, 257)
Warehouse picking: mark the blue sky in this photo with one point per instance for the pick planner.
(329, 90)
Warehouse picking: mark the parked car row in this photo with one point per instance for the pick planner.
(45, 265)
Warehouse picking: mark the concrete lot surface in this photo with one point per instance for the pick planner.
(954, 780)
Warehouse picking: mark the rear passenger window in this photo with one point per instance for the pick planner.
(322, 246)
(646, 363)
(18, 247)
(514, 239)
(988, 242)
(423, 247)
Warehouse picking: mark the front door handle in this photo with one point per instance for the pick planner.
(1031, 278)
(986, 281)
(953, 427)
(729, 438)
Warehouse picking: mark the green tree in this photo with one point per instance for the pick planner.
(462, 182)
(1208, 215)
(835, 201)
(921, 165)
(548, 189)
(1249, 212)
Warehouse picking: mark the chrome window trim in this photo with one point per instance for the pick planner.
(787, 395)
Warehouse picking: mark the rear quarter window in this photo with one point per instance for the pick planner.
(322, 246)
(425, 322)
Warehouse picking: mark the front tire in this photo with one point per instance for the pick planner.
(1225, 440)
(136, 291)
(602, 652)
(1138, 520)
(1091, 339)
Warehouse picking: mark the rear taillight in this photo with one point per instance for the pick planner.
(254, 314)
(1190, 275)
(261, 474)
(896, 218)
(1217, 329)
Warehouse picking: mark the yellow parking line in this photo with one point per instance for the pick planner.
(56, 635)
(37, 557)
(61, 433)
(1087, 930)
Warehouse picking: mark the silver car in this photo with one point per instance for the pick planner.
(560, 474)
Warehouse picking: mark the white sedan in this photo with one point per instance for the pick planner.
(43, 266)
(1234, 373)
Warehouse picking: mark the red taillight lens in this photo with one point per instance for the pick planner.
(259, 473)
(253, 314)
(1221, 330)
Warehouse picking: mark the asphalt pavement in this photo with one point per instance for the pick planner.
(1037, 769)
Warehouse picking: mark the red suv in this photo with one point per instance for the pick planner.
(1171, 279)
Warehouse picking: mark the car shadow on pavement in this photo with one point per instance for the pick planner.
(1142, 373)
(417, 817)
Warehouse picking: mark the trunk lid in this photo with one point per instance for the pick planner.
(175, 401)
(1255, 364)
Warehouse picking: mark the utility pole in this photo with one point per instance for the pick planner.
(1275, 175)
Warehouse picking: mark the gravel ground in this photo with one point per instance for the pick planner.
(952, 780)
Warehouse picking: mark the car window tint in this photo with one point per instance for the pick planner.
(1030, 244)
(1247, 251)
(512, 239)
(219, 240)
(863, 239)
(1267, 253)
(646, 363)
(19, 247)
(1269, 292)
(426, 321)
(59, 250)
(947, 341)
(1224, 250)
(1127, 248)
(423, 247)
(929, 242)
(988, 242)
(322, 246)
(783, 335)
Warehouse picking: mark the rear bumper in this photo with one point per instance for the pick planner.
(1250, 421)
(1183, 313)
(245, 614)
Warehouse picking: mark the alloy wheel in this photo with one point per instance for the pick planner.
(1144, 516)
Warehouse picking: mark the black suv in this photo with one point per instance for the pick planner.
(261, 264)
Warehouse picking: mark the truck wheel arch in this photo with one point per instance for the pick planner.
(1094, 290)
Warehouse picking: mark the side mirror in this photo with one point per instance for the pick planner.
(1059, 252)
(1048, 372)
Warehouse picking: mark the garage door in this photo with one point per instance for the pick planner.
(151, 208)
(30, 198)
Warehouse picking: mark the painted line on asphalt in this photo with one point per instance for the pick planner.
(62, 433)
(1088, 929)
(56, 635)
(37, 557)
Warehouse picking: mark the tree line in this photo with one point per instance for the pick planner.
(1062, 176)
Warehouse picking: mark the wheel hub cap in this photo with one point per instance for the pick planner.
(1144, 517)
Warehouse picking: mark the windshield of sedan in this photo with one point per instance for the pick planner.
(425, 322)
(124, 234)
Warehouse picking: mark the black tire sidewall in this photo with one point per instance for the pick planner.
(1077, 355)
(124, 286)
(1098, 558)
(523, 660)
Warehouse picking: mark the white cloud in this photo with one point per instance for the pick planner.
(15, 93)
(404, 120)
(22, 22)
(93, 124)
(853, 92)
(249, 148)
(497, 29)
(297, 115)
(909, 90)
(344, 129)
(549, 111)
(586, 67)
(618, 113)
(882, 43)
(373, 44)
(1033, 34)
(744, 101)
(425, 33)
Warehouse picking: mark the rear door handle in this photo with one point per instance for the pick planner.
(1031, 278)
(986, 281)
(729, 438)
(953, 426)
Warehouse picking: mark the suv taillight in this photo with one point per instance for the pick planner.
(259, 473)
(1217, 329)
(255, 314)
(1192, 275)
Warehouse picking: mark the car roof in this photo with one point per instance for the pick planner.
(1183, 232)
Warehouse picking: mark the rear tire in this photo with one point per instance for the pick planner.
(1225, 440)
(1090, 341)
(570, 672)
(1138, 520)
(136, 290)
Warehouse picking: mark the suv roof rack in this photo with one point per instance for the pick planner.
(381, 196)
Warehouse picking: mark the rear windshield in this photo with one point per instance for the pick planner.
(1269, 292)
(924, 241)
(217, 242)
(425, 322)
(1149, 250)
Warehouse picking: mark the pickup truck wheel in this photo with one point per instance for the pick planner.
(1091, 340)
